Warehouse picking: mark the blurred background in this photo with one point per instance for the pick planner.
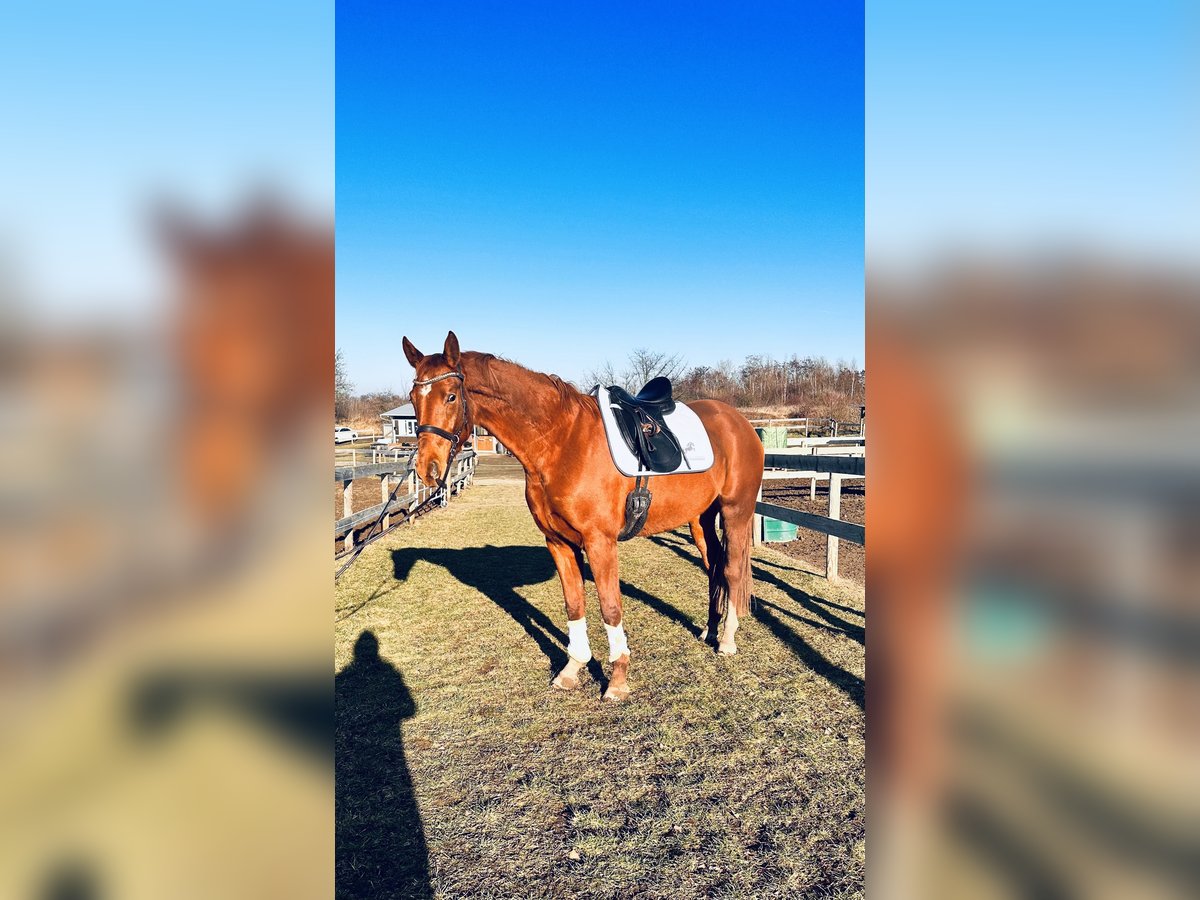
(166, 314)
(166, 290)
(1034, 347)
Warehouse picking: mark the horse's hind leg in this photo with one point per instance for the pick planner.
(736, 523)
(712, 554)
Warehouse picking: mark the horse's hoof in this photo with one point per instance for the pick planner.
(565, 682)
(727, 647)
(616, 694)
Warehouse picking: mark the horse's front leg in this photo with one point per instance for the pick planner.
(579, 651)
(602, 557)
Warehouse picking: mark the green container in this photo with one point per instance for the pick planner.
(773, 438)
(777, 531)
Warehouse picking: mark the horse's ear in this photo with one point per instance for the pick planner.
(413, 355)
(451, 349)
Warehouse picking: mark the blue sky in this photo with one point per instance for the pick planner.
(1022, 127)
(563, 182)
(107, 106)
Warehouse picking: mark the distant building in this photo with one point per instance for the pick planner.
(400, 424)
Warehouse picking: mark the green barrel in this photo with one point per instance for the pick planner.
(775, 530)
(773, 438)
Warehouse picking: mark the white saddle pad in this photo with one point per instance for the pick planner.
(685, 424)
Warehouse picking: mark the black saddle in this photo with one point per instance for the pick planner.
(655, 397)
(643, 425)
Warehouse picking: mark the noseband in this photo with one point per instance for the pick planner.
(453, 437)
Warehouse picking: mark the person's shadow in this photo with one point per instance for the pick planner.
(380, 843)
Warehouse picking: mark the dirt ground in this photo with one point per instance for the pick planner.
(809, 546)
(366, 493)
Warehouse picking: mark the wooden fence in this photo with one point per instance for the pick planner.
(369, 455)
(835, 468)
(407, 499)
(813, 465)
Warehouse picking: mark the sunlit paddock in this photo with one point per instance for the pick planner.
(461, 771)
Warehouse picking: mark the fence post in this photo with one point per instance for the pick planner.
(812, 489)
(835, 512)
(347, 509)
(412, 490)
(384, 484)
(759, 526)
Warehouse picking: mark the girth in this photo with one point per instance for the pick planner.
(637, 508)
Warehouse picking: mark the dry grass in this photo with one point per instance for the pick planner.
(721, 777)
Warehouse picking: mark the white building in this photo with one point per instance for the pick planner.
(400, 424)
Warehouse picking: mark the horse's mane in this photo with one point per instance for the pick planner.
(568, 394)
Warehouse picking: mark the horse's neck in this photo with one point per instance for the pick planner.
(522, 409)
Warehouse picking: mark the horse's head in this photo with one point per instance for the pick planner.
(440, 400)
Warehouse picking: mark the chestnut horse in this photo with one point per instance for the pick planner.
(577, 495)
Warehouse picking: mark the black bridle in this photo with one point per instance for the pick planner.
(456, 439)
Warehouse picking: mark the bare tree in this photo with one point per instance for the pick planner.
(641, 366)
(603, 374)
(342, 388)
(646, 364)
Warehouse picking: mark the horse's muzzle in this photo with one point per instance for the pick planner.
(432, 476)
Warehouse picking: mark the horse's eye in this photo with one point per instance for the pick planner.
(451, 398)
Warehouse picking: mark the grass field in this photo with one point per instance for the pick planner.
(461, 773)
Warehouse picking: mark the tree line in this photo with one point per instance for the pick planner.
(797, 386)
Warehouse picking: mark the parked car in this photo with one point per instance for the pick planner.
(343, 435)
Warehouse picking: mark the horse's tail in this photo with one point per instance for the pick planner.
(729, 573)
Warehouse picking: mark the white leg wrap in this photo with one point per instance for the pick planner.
(731, 624)
(577, 644)
(617, 647)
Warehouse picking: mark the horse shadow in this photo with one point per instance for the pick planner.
(496, 572)
(817, 606)
(847, 682)
(380, 843)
